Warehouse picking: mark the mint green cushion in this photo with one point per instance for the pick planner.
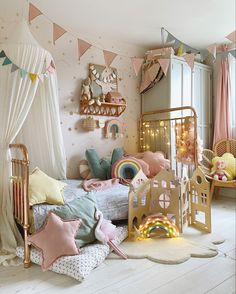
(102, 168)
(83, 208)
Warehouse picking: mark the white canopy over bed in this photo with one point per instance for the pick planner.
(29, 114)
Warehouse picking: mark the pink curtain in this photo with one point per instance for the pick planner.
(222, 127)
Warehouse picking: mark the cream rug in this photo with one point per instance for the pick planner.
(192, 243)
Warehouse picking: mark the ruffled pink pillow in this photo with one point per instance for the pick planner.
(55, 239)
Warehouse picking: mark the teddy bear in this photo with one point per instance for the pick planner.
(218, 170)
(86, 93)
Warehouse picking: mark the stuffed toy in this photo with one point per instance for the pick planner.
(219, 172)
(155, 160)
(86, 93)
(230, 167)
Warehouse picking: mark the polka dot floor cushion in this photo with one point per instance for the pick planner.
(84, 170)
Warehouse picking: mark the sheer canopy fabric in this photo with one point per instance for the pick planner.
(17, 95)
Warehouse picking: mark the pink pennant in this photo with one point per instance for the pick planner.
(189, 58)
(57, 32)
(137, 63)
(164, 63)
(83, 47)
(212, 50)
(50, 69)
(232, 37)
(153, 70)
(33, 12)
(145, 82)
(109, 57)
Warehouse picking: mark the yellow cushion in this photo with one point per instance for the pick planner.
(43, 188)
(231, 164)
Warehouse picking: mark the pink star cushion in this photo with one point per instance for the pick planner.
(55, 239)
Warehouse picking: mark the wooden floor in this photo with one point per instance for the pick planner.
(197, 275)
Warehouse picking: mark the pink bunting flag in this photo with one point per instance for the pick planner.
(189, 58)
(137, 63)
(164, 63)
(146, 81)
(57, 32)
(153, 71)
(232, 37)
(33, 12)
(51, 69)
(83, 46)
(212, 50)
(109, 57)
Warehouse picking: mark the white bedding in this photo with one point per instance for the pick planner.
(113, 202)
(78, 266)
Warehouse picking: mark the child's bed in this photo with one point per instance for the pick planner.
(113, 202)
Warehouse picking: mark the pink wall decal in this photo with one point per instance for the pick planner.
(164, 63)
(109, 57)
(83, 46)
(33, 12)
(137, 63)
(57, 32)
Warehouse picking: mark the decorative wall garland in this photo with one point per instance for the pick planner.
(33, 76)
(184, 50)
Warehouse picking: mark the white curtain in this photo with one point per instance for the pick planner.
(16, 98)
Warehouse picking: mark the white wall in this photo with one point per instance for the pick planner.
(71, 72)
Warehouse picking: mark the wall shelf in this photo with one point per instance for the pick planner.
(106, 109)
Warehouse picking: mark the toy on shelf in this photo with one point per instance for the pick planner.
(102, 81)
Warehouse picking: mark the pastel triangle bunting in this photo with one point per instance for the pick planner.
(153, 70)
(170, 38)
(7, 61)
(41, 77)
(164, 63)
(53, 64)
(32, 77)
(83, 46)
(2, 54)
(33, 12)
(23, 73)
(145, 82)
(14, 67)
(232, 37)
(109, 57)
(137, 63)
(50, 69)
(212, 49)
(233, 53)
(189, 58)
(57, 32)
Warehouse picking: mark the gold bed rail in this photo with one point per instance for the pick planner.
(20, 183)
(155, 132)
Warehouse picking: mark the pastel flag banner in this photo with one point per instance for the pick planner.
(109, 57)
(2, 54)
(153, 71)
(51, 69)
(164, 63)
(32, 77)
(233, 52)
(23, 73)
(57, 32)
(177, 44)
(170, 38)
(232, 37)
(14, 67)
(83, 46)
(33, 12)
(189, 58)
(204, 54)
(137, 63)
(145, 82)
(212, 50)
(7, 61)
(180, 50)
(41, 77)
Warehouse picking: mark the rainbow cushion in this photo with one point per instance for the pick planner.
(125, 168)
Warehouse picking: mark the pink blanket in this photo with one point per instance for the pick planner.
(97, 184)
